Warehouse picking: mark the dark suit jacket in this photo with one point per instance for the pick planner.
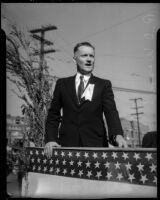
(82, 122)
(150, 140)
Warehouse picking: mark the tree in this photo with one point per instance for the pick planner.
(23, 69)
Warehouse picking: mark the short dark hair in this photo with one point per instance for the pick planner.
(82, 44)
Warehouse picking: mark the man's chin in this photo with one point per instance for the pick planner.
(86, 71)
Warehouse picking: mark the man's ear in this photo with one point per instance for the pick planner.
(74, 60)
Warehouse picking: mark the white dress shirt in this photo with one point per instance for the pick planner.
(77, 80)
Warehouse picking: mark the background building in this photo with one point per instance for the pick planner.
(131, 133)
(16, 127)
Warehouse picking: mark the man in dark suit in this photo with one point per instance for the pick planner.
(83, 99)
(150, 140)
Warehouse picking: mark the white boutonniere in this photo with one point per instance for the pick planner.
(88, 93)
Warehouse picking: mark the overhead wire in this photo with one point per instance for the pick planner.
(130, 56)
(109, 28)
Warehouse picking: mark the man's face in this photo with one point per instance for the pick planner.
(84, 58)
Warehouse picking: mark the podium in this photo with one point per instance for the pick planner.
(91, 173)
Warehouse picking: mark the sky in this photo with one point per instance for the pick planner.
(124, 36)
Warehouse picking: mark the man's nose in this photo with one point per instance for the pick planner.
(89, 58)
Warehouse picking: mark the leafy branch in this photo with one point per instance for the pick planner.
(23, 70)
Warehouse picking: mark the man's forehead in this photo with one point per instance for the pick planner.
(84, 48)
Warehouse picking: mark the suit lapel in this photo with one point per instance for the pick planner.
(72, 89)
(92, 79)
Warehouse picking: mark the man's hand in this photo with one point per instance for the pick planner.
(121, 141)
(48, 148)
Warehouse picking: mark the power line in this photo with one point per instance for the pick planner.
(108, 28)
(123, 56)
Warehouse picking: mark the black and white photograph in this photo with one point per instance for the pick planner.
(81, 99)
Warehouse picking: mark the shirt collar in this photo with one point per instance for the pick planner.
(86, 78)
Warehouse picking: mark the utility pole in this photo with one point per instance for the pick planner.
(132, 132)
(137, 116)
(41, 53)
(43, 42)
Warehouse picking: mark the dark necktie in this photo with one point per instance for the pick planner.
(80, 88)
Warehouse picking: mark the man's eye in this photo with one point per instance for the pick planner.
(85, 55)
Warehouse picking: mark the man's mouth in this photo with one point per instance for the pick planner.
(88, 64)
